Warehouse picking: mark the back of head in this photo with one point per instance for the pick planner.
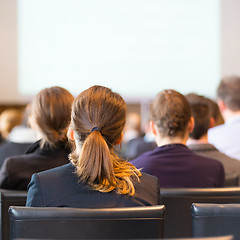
(229, 92)
(201, 114)
(8, 120)
(171, 113)
(51, 114)
(133, 122)
(215, 112)
(97, 120)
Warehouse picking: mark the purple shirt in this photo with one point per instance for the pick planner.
(226, 137)
(177, 166)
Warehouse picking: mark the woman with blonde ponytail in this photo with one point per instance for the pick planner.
(50, 117)
(95, 177)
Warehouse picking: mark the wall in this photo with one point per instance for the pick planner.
(230, 47)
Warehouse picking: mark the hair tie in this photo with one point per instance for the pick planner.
(95, 129)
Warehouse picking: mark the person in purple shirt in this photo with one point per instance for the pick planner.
(172, 162)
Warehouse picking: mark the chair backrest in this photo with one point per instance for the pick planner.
(178, 201)
(9, 198)
(81, 223)
(216, 220)
(229, 237)
(232, 180)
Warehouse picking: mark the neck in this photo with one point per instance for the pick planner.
(170, 140)
(203, 139)
(228, 114)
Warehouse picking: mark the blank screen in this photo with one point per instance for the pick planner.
(135, 47)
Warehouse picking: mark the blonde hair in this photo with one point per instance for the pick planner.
(51, 112)
(9, 119)
(98, 118)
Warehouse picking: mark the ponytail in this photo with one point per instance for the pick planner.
(97, 119)
(101, 169)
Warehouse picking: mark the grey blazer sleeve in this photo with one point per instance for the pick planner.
(34, 197)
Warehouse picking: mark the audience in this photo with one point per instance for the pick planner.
(215, 112)
(198, 140)
(50, 116)
(19, 138)
(226, 137)
(132, 136)
(172, 162)
(133, 143)
(23, 133)
(96, 177)
(8, 120)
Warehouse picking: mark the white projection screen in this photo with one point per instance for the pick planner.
(135, 47)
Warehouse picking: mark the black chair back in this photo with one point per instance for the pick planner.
(216, 220)
(81, 223)
(178, 201)
(232, 181)
(229, 237)
(9, 198)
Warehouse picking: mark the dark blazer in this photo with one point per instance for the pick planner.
(177, 166)
(231, 165)
(16, 172)
(9, 149)
(60, 187)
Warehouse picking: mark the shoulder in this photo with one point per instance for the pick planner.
(216, 130)
(148, 189)
(57, 181)
(148, 179)
(15, 160)
(61, 171)
(206, 160)
(142, 158)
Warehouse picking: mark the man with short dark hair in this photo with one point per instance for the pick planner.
(198, 140)
(172, 162)
(226, 137)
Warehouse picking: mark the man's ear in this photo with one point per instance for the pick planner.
(153, 128)
(191, 125)
(221, 105)
(119, 139)
(70, 134)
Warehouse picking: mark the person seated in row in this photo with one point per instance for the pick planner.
(50, 116)
(172, 162)
(8, 120)
(226, 137)
(23, 133)
(17, 142)
(198, 140)
(133, 143)
(96, 176)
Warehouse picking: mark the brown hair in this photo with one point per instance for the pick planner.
(96, 163)
(229, 92)
(8, 120)
(51, 112)
(201, 113)
(171, 112)
(215, 112)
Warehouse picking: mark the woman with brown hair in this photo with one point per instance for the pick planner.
(96, 176)
(50, 117)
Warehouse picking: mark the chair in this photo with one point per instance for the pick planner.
(9, 198)
(216, 220)
(81, 223)
(207, 238)
(229, 237)
(178, 201)
(232, 181)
